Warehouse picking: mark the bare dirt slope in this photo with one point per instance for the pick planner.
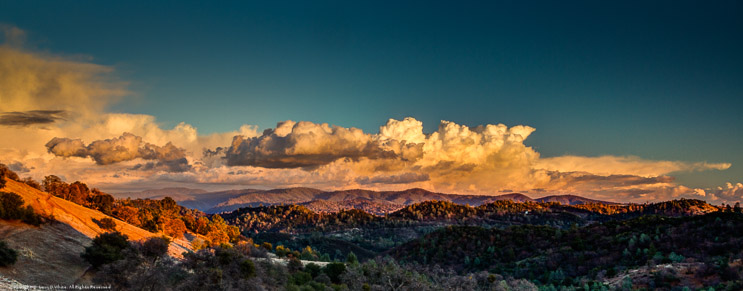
(47, 255)
(50, 254)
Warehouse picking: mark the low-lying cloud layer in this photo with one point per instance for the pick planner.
(52, 105)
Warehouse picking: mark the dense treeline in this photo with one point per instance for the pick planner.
(298, 219)
(291, 218)
(126, 265)
(550, 255)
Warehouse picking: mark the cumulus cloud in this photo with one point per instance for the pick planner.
(730, 193)
(301, 144)
(614, 165)
(127, 147)
(31, 117)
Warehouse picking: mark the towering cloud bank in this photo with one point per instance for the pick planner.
(301, 144)
(483, 156)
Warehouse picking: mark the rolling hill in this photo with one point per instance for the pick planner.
(50, 253)
(377, 202)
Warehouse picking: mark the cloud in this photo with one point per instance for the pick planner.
(404, 178)
(33, 81)
(614, 165)
(31, 117)
(301, 144)
(18, 167)
(12, 36)
(127, 147)
(730, 193)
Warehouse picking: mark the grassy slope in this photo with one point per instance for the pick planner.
(50, 253)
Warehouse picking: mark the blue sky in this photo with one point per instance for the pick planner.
(660, 80)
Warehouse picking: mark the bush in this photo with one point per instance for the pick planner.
(11, 207)
(106, 248)
(31, 182)
(7, 173)
(8, 256)
(155, 247)
(334, 271)
(107, 223)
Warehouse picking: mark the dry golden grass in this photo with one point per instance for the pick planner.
(50, 253)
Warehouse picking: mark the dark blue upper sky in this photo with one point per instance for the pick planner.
(656, 79)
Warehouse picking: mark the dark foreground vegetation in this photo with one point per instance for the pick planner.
(145, 265)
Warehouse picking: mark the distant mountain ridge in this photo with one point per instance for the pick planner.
(152, 193)
(377, 202)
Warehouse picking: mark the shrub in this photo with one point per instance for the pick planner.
(8, 256)
(31, 182)
(106, 248)
(107, 223)
(334, 271)
(154, 247)
(7, 173)
(11, 207)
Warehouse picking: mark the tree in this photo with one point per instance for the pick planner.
(128, 214)
(102, 201)
(202, 225)
(174, 227)
(11, 207)
(52, 184)
(334, 271)
(351, 259)
(294, 265)
(106, 248)
(31, 182)
(7, 173)
(8, 256)
(107, 223)
(154, 247)
(737, 208)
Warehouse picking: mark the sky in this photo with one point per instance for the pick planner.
(617, 100)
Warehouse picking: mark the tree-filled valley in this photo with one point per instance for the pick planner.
(433, 245)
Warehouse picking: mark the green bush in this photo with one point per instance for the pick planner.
(8, 256)
(334, 271)
(106, 248)
(11, 207)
